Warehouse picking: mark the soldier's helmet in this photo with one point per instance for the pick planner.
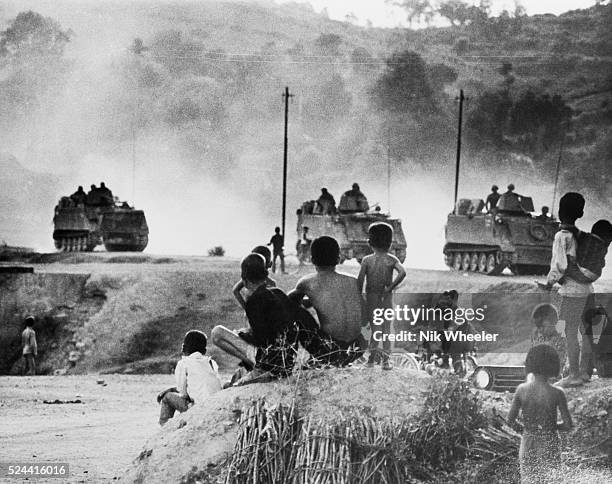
(355, 186)
(511, 187)
(494, 188)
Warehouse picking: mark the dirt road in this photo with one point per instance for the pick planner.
(97, 438)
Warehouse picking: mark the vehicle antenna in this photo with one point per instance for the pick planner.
(554, 200)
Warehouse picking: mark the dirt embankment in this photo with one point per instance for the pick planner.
(129, 312)
(200, 441)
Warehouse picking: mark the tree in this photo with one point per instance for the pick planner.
(486, 121)
(404, 86)
(456, 11)
(328, 44)
(32, 35)
(415, 9)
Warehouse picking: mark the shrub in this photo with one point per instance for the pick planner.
(217, 251)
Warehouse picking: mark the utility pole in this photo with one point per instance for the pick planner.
(389, 170)
(286, 95)
(461, 99)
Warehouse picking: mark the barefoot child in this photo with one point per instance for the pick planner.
(196, 378)
(575, 295)
(239, 286)
(30, 347)
(539, 401)
(270, 326)
(377, 270)
(338, 305)
(545, 318)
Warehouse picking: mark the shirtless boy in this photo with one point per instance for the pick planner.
(338, 304)
(539, 402)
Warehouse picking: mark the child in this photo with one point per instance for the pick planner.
(338, 305)
(30, 348)
(544, 318)
(196, 378)
(574, 294)
(239, 286)
(270, 332)
(596, 344)
(590, 253)
(539, 402)
(377, 271)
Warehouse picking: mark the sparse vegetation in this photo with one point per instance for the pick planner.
(217, 251)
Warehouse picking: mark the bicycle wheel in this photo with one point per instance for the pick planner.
(403, 359)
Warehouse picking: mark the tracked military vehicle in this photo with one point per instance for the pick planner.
(80, 226)
(509, 236)
(349, 226)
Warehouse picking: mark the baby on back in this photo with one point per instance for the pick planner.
(591, 252)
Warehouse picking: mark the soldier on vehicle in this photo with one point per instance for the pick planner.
(326, 204)
(93, 196)
(106, 196)
(353, 200)
(79, 197)
(492, 199)
(510, 201)
(544, 215)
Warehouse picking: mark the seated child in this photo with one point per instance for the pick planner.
(338, 305)
(196, 378)
(539, 401)
(591, 253)
(271, 325)
(239, 286)
(377, 272)
(544, 318)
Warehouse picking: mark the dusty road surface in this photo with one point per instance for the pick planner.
(97, 438)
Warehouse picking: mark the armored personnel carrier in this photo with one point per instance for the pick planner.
(81, 226)
(349, 226)
(509, 236)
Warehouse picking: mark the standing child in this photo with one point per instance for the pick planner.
(539, 401)
(196, 378)
(30, 348)
(377, 271)
(575, 295)
(544, 318)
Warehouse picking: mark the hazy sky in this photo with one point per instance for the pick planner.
(381, 14)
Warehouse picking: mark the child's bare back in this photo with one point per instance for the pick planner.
(539, 404)
(337, 301)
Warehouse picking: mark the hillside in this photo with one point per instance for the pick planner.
(188, 119)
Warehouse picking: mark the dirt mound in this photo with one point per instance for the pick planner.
(203, 438)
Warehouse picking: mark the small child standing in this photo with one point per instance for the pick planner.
(538, 401)
(544, 318)
(239, 286)
(377, 272)
(30, 347)
(196, 378)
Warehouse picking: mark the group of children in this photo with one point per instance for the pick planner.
(279, 322)
(325, 314)
(577, 261)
